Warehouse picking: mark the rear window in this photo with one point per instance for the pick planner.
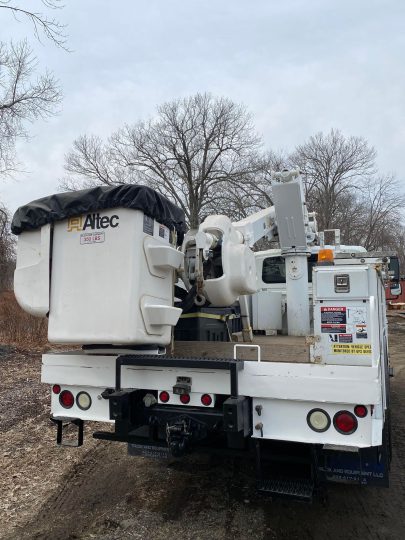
(274, 269)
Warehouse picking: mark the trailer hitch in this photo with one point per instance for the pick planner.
(62, 425)
(182, 433)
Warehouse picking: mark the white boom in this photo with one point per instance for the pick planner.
(219, 261)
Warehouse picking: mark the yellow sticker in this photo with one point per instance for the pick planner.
(351, 348)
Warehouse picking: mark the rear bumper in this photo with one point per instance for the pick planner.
(285, 392)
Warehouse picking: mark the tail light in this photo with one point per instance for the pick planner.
(206, 400)
(66, 399)
(318, 420)
(345, 422)
(164, 396)
(360, 411)
(185, 398)
(56, 388)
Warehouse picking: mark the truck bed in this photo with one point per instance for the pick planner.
(273, 349)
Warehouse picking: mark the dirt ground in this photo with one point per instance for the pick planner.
(97, 491)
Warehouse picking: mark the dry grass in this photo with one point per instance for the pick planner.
(18, 327)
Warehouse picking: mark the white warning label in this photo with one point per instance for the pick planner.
(357, 315)
(92, 238)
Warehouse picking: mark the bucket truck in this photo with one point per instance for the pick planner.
(308, 407)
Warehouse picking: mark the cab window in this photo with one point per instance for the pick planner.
(274, 269)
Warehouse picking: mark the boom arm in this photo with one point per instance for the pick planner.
(259, 225)
(220, 263)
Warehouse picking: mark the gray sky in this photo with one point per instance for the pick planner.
(300, 66)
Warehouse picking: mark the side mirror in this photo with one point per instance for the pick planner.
(395, 289)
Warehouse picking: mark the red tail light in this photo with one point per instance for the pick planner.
(206, 400)
(164, 396)
(360, 411)
(56, 388)
(345, 422)
(66, 399)
(185, 398)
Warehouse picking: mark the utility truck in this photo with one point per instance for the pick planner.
(309, 405)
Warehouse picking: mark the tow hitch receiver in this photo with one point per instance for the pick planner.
(63, 424)
(181, 433)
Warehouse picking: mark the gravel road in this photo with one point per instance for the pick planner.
(97, 491)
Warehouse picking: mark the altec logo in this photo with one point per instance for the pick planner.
(91, 222)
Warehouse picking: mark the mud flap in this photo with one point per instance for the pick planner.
(366, 467)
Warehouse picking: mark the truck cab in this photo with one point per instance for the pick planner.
(269, 304)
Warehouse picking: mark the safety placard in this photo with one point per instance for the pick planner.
(333, 319)
(345, 338)
(361, 331)
(356, 315)
(351, 348)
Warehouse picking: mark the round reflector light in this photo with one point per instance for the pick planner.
(206, 400)
(83, 401)
(164, 396)
(360, 411)
(56, 388)
(345, 422)
(66, 399)
(318, 420)
(185, 398)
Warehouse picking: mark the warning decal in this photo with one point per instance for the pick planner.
(361, 331)
(148, 224)
(333, 315)
(351, 348)
(356, 315)
(345, 338)
(333, 319)
(333, 328)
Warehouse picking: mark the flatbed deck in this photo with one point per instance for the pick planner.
(273, 349)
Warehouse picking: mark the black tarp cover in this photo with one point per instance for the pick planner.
(74, 203)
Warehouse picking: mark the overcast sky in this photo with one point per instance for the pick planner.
(300, 66)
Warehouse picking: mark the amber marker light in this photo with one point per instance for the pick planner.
(325, 256)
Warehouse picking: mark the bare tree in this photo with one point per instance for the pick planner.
(254, 193)
(383, 203)
(193, 148)
(23, 98)
(350, 216)
(6, 251)
(333, 165)
(92, 162)
(204, 155)
(50, 27)
(25, 95)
